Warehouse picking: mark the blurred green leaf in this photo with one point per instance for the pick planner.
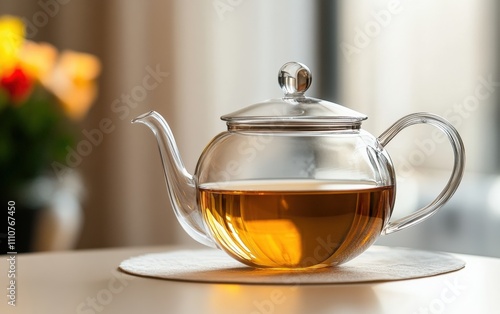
(33, 134)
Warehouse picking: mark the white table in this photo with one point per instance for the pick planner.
(88, 282)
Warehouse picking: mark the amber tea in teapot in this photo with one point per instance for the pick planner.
(317, 192)
(296, 224)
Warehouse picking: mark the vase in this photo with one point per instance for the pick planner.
(48, 214)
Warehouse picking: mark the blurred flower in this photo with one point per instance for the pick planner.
(38, 59)
(69, 76)
(11, 40)
(42, 93)
(73, 82)
(17, 84)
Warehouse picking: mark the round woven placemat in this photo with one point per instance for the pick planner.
(378, 263)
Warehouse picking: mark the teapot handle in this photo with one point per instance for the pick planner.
(456, 174)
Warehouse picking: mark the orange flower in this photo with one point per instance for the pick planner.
(38, 59)
(73, 82)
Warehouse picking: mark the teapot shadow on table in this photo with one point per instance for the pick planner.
(317, 176)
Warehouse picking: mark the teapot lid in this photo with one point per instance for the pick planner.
(295, 109)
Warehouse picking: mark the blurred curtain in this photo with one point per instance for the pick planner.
(192, 61)
(398, 57)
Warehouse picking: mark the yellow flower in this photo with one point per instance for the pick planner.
(73, 82)
(11, 38)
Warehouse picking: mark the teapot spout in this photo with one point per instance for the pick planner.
(180, 184)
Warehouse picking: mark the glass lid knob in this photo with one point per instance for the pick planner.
(294, 79)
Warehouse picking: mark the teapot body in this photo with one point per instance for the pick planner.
(294, 182)
(295, 199)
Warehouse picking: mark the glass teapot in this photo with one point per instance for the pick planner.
(293, 182)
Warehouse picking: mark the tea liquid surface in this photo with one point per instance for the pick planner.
(295, 223)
